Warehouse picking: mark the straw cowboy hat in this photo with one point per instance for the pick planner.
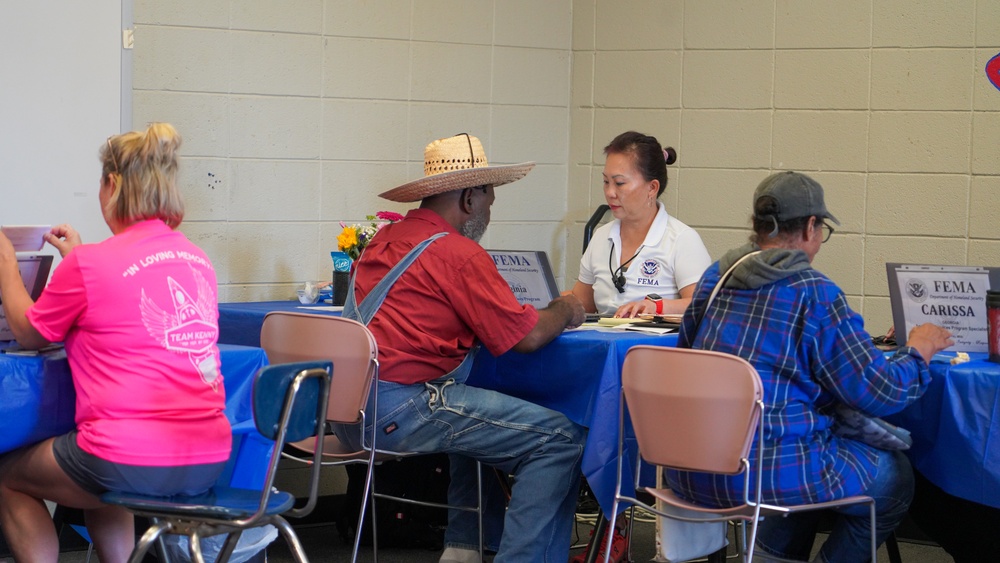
(455, 163)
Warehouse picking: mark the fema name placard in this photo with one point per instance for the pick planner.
(953, 297)
(528, 274)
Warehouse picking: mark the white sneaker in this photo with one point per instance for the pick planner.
(459, 555)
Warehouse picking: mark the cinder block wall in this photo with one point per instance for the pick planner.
(886, 103)
(297, 113)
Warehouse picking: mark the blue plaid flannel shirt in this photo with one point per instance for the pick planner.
(810, 349)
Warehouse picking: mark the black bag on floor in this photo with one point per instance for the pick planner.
(423, 478)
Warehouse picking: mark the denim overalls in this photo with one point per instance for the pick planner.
(540, 447)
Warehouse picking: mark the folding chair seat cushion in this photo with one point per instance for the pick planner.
(219, 503)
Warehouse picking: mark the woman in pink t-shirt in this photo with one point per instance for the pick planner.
(138, 314)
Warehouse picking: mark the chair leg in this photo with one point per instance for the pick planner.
(593, 546)
(374, 523)
(740, 526)
(161, 549)
(361, 516)
(479, 507)
(146, 541)
(232, 538)
(294, 545)
(610, 535)
(628, 533)
(504, 484)
(748, 546)
(892, 546)
(194, 548)
(718, 557)
(871, 530)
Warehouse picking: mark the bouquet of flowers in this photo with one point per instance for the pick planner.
(354, 238)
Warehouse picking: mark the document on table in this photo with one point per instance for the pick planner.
(650, 328)
(633, 324)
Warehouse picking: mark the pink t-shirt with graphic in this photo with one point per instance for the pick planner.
(139, 316)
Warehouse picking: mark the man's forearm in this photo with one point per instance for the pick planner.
(552, 320)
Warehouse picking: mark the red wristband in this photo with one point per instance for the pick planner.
(657, 300)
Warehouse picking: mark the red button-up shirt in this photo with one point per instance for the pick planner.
(451, 296)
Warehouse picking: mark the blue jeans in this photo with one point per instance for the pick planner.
(540, 447)
(792, 537)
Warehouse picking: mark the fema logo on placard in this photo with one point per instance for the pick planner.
(916, 290)
(649, 268)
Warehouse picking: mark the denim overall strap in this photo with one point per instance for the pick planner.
(365, 311)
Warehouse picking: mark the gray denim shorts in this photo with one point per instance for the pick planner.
(98, 476)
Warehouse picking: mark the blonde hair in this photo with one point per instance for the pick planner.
(144, 167)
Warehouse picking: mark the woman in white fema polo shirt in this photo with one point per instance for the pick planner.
(645, 261)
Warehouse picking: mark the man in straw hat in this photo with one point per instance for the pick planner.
(446, 298)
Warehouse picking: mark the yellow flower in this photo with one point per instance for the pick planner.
(347, 239)
(354, 238)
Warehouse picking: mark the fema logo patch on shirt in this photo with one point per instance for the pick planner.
(650, 268)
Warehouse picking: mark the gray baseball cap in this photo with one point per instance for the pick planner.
(797, 196)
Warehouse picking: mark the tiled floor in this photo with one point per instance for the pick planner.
(323, 544)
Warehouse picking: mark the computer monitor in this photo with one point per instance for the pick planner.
(953, 297)
(529, 275)
(34, 270)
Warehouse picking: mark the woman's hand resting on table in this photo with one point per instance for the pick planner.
(635, 308)
(64, 237)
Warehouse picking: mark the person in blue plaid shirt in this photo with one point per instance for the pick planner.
(794, 325)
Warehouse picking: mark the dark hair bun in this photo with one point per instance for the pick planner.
(669, 155)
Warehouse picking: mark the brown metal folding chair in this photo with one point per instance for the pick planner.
(698, 410)
(292, 337)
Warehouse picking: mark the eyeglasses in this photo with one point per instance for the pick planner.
(111, 151)
(827, 230)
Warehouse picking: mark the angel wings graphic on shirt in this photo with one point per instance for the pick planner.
(189, 326)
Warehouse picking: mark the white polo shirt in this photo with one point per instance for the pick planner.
(671, 257)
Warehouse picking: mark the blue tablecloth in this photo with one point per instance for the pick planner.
(239, 323)
(577, 374)
(38, 400)
(954, 436)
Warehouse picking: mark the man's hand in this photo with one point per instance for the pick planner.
(64, 237)
(565, 311)
(571, 307)
(929, 339)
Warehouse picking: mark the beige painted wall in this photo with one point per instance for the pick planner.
(297, 113)
(886, 103)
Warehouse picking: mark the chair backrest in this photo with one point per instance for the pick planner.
(695, 410)
(297, 337)
(289, 401)
(271, 389)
